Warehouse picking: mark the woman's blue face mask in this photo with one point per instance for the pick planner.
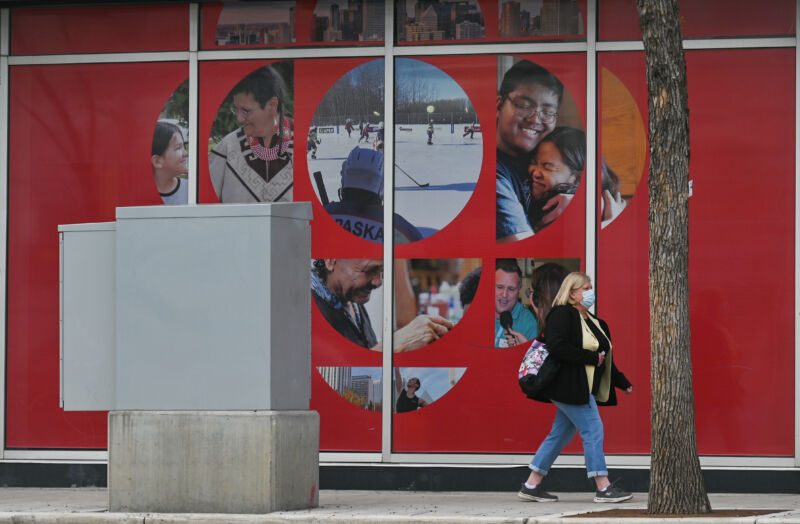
(588, 298)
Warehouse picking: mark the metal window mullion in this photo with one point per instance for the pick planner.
(99, 58)
(796, 245)
(591, 142)
(388, 230)
(194, 149)
(290, 53)
(5, 33)
(4, 123)
(5, 38)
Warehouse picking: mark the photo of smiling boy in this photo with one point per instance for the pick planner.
(528, 101)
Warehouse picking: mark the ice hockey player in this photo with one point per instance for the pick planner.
(378, 144)
(348, 126)
(360, 210)
(430, 133)
(364, 133)
(313, 141)
(469, 130)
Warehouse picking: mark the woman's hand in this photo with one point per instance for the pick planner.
(601, 357)
(629, 390)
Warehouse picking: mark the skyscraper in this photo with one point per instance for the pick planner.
(372, 20)
(509, 19)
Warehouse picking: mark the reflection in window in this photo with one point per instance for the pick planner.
(253, 23)
(439, 20)
(538, 18)
(337, 21)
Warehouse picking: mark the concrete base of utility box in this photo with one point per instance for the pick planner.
(213, 461)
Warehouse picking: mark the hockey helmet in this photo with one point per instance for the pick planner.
(363, 169)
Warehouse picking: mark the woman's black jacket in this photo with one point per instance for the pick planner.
(563, 336)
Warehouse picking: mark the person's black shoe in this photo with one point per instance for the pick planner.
(612, 494)
(536, 494)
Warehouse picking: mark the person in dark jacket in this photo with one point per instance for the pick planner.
(586, 378)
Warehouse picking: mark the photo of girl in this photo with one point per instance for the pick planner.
(169, 160)
(555, 168)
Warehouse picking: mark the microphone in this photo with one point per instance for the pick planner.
(506, 320)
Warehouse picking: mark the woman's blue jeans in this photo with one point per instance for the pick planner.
(583, 418)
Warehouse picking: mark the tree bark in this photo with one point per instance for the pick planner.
(676, 481)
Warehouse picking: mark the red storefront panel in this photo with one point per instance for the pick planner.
(618, 19)
(79, 146)
(100, 29)
(482, 409)
(741, 260)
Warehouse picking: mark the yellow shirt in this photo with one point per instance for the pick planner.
(591, 343)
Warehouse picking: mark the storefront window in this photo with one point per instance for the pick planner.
(618, 19)
(100, 29)
(80, 144)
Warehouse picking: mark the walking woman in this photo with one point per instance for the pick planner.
(587, 377)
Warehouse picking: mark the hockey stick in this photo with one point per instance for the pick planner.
(412, 179)
(323, 194)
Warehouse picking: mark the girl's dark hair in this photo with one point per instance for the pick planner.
(571, 143)
(545, 282)
(162, 136)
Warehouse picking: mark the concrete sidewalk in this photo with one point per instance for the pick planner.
(89, 506)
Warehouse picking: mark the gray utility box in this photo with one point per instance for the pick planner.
(188, 308)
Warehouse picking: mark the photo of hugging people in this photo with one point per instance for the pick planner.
(540, 154)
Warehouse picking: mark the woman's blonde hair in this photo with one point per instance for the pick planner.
(573, 281)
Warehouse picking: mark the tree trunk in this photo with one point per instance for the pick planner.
(676, 482)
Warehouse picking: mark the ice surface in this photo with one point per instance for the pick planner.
(451, 165)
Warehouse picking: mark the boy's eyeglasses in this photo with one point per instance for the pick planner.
(524, 109)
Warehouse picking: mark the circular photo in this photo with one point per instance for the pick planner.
(431, 296)
(438, 146)
(624, 146)
(358, 385)
(541, 149)
(416, 388)
(524, 291)
(168, 155)
(348, 292)
(345, 154)
(250, 147)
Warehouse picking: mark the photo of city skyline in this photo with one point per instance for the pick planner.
(254, 23)
(424, 20)
(537, 18)
(347, 21)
